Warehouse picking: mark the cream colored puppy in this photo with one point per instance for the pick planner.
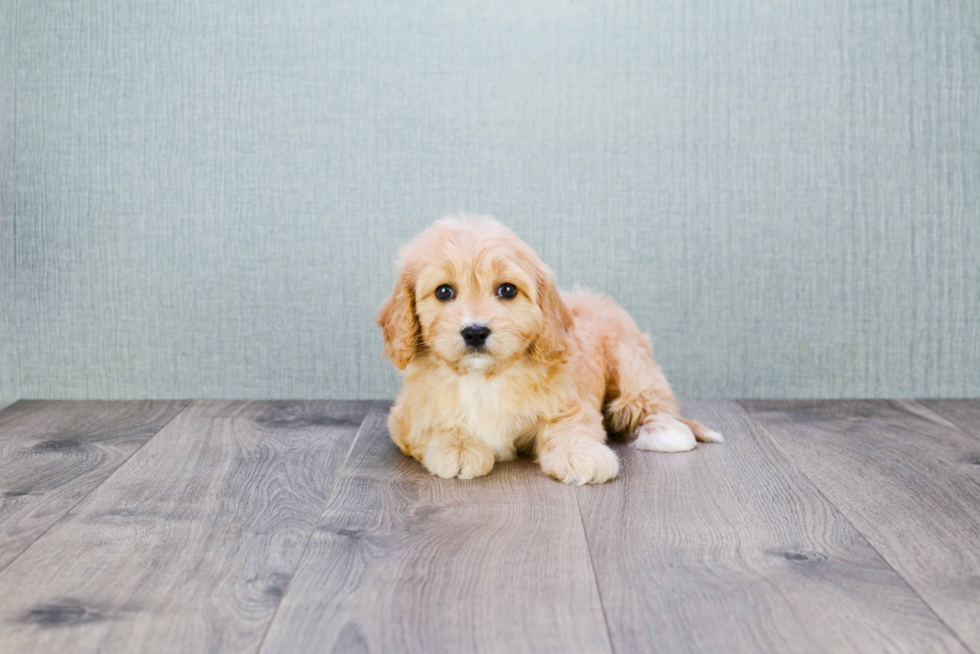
(496, 361)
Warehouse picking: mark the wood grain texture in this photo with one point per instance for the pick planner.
(402, 561)
(189, 545)
(965, 414)
(908, 479)
(729, 548)
(52, 454)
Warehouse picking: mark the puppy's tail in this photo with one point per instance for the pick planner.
(702, 433)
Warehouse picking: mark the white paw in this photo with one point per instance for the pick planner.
(455, 459)
(585, 462)
(665, 435)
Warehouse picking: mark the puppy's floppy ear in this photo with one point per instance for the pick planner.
(398, 321)
(551, 345)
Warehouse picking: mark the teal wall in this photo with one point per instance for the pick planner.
(203, 199)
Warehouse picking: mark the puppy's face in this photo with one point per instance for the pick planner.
(476, 297)
(476, 306)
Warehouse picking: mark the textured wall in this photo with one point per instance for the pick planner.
(204, 198)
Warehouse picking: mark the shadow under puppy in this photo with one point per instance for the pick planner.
(495, 361)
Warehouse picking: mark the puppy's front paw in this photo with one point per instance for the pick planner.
(454, 457)
(584, 462)
(663, 433)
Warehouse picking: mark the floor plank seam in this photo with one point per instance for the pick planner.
(595, 577)
(316, 524)
(847, 518)
(946, 419)
(94, 488)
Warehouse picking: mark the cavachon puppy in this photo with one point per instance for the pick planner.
(496, 361)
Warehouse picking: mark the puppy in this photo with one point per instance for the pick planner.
(496, 361)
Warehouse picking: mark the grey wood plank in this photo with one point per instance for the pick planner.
(52, 454)
(965, 414)
(907, 479)
(402, 561)
(189, 545)
(729, 548)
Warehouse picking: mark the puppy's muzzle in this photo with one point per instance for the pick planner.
(475, 336)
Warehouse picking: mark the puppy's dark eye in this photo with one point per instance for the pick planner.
(506, 291)
(445, 292)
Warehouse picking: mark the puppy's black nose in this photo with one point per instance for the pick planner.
(475, 335)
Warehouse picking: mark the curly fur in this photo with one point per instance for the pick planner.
(558, 374)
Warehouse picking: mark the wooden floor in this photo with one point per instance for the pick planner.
(832, 526)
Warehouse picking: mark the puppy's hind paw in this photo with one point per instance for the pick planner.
(664, 433)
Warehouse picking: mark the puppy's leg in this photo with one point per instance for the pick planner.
(454, 453)
(572, 448)
(400, 425)
(644, 404)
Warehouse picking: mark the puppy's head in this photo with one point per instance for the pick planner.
(475, 296)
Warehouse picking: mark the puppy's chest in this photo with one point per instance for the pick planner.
(492, 412)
